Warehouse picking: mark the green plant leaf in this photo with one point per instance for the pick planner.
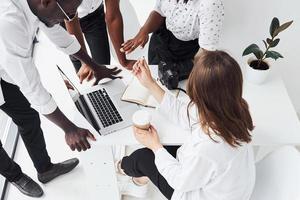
(253, 48)
(282, 28)
(275, 43)
(259, 54)
(273, 54)
(269, 41)
(266, 45)
(274, 26)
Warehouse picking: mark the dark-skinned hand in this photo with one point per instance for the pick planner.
(77, 139)
(100, 72)
(139, 40)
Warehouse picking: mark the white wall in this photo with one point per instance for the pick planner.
(246, 22)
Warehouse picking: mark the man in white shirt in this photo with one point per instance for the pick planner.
(92, 23)
(21, 87)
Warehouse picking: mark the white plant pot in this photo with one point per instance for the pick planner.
(256, 76)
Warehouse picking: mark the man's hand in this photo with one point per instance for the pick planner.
(128, 64)
(77, 138)
(85, 72)
(102, 72)
(68, 85)
(138, 41)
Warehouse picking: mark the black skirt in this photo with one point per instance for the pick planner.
(164, 46)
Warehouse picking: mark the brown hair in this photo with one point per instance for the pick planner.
(215, 86)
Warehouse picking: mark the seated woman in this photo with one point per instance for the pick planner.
(216, 162)
(179, 27)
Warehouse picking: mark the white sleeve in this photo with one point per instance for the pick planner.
(193, 174)
(157, 8)
(17, 62)
(177, 111)
(61, 38)
(211, 21)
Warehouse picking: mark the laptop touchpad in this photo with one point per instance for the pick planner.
(119, 102)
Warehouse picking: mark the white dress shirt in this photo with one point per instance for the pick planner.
(200, 19)
(87, 7)
(204, 169)
(18, 27)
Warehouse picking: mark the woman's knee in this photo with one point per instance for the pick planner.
(137, 162)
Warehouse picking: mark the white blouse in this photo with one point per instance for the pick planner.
(200, 19)
(204, 169)
(87, 7)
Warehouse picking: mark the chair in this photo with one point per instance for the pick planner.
(278, 176)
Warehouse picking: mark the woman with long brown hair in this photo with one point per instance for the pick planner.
(216, 162)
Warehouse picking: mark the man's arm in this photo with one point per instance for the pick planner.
(69, 45)
(76, 138)
(74, 28)
(18, 64)
(114, 21)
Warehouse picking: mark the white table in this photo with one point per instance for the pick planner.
(274, 117)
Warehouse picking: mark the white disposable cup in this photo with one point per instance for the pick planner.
(141, 119)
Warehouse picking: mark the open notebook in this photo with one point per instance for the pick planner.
(135, 92)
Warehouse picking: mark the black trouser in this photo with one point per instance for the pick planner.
(27, 119)
(164, 46)
(93, 27)
(141, 163)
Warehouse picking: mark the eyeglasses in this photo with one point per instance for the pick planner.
(69, 18)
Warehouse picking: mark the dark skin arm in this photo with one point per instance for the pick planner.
(114, 21)
(89, 67)
(76, 138)
(73, 27)
(99, 71)
(152, 24)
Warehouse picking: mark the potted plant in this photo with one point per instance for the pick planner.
(258, 66)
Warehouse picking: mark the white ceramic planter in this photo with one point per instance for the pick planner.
(256, 76)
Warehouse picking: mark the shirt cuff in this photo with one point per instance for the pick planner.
(159, 12)
(164, 104)
(47, 108)
(71, 49)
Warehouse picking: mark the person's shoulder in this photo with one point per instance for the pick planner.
(216, 149)
(11, 18)
(13, 34)
(210, 3)
(11, 26)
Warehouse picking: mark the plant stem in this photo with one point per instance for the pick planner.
(267, 49)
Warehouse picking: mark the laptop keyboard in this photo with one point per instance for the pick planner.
(104, 107)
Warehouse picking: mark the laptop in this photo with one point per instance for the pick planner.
(102, 107)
